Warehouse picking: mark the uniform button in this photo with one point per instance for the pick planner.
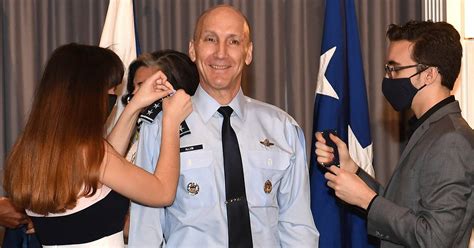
(269, 162)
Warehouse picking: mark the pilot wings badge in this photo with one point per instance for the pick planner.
(266, 143)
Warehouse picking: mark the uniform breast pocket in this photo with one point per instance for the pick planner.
(264, 179)
(196, 187)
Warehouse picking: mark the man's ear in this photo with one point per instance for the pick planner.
(432, 74)
(191, 51)
(248, 56)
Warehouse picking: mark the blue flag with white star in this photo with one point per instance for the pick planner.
(340, 104)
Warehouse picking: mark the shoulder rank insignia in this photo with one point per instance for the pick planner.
(184, 129)
(266, 143)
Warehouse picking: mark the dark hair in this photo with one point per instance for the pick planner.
(178, 68)
(435, 44)
(62, 147)
(145, 60)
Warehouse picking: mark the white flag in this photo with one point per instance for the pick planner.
(118, 35)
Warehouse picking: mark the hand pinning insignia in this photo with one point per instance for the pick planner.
(266, 143)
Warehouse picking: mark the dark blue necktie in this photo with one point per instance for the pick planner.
(238, 219)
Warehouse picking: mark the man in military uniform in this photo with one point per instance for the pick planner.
(264, 145)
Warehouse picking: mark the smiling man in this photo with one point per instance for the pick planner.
(244, 175)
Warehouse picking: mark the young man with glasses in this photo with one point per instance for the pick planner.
(429, 201)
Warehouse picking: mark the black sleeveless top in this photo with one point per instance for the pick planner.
(103, 218)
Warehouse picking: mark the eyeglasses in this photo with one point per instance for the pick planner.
(391, 68)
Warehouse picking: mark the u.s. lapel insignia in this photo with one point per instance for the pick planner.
(267, 187)
(193, 188)
(266, 143)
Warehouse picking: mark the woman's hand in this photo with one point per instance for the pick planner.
(154, 88)
(177, 107)
(325, 154)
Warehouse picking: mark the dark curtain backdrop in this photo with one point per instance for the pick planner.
(386, 125)
(286, 35)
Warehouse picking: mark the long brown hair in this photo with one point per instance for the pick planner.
(57, 157)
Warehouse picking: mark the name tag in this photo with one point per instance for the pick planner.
(190, 148)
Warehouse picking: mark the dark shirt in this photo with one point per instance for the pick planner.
(103, 218)
(414, 123)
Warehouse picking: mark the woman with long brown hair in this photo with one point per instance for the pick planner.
(72, 182)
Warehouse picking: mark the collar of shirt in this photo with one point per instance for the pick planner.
(206, 106)
(414, 123)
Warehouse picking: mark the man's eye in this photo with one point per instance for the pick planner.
(234, 42)
(210, 39)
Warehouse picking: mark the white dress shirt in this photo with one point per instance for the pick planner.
(276, 178)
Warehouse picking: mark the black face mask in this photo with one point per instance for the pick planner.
(399, 92)
(111, 103)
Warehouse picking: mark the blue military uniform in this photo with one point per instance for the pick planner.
(275, 173)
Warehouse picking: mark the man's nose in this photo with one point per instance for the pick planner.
(221, 50)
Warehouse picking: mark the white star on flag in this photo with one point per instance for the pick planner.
(362, 156)
(323, 86)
